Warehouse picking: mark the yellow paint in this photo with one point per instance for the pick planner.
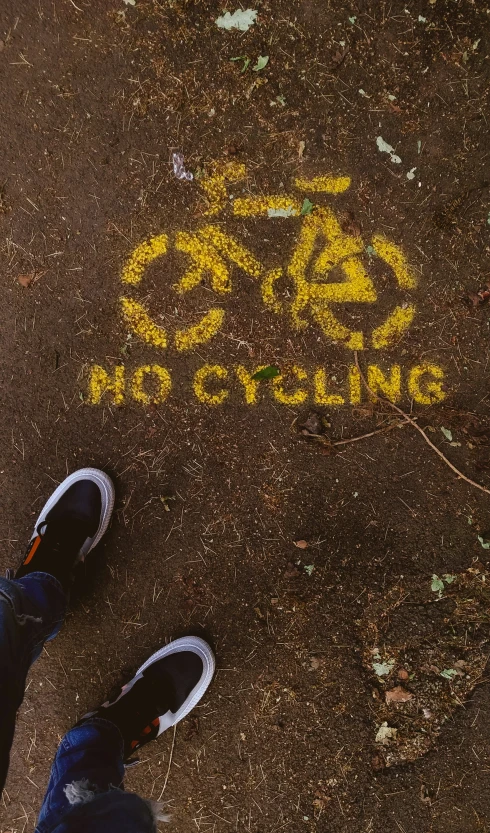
(393, 328)
(324, 184)
(142, 256)
(163, 380)
(426, 391)
(322, 397)
(355, 392)
(207, 249)
(322, 247)
(237, 253)
(251, 386)
(100, 382)
(214, 186)
(267, 290)
(202, 376)
(296, 397)
(141, 324)
(256, 206)
(336, 331)
(205, 261)
(394, 257)
(390, 387)
(339, 250)
(202, 332)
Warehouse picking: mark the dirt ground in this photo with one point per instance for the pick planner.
(344, 587)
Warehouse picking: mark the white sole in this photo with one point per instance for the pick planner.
(107, 494)
(186, 643)
(202, 649)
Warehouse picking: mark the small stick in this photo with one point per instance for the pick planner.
(169, 764)
(420, 430)
(371, 434)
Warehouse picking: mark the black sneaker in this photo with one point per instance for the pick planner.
(71, 523)
(162, 692)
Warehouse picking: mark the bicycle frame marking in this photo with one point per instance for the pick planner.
(212, 253)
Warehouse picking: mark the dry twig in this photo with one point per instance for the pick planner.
(420, 430)
(371, 433)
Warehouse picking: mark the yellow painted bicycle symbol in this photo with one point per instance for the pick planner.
(322, 246)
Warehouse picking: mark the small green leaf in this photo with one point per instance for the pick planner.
(281, 100)
(485, 544)
(269, 372)
(308, 567)
(449, 673)
(448, 578)
(447, 433)
(246, 62)
(437, 584)
(262, 62)
(307, 207)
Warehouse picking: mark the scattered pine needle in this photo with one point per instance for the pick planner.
(420, 430)
(169, 764)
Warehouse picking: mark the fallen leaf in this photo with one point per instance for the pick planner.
(385, 734)
(290, 211)
(291, 571)
(338, 57)
(382, 669)
(26, 280)
(402, 674)
(301, 150)
(398, 695)
(262, 62)
(315, 663)
(447, 433)
(309, 568)
(307, 207)
(478, 299)
(302, 545)
(269, 372)
(485, 544)
(246, 62)
(241, 20)
(437, 584)
(313, 424)
(350, 225)
(449, 673)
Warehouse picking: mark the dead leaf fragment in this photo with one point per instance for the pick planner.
(398, 695)
(302, 545)
(385, 734)
(402, 674)
(26, 280)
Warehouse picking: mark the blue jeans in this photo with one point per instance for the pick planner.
(85, 793)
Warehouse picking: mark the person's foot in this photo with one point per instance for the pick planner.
(162, 692)
(70, 524)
